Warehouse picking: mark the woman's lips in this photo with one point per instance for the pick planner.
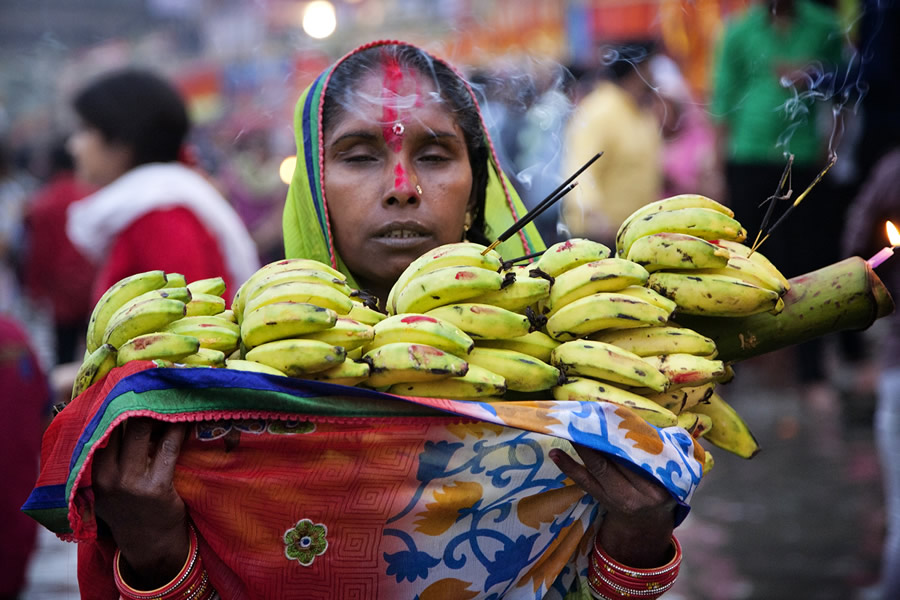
(403, 235)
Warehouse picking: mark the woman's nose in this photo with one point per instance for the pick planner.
(402, 187)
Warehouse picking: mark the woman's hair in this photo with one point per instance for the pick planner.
(339, 95)
(138, 109)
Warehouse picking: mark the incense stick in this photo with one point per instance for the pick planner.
(564, 188)
(775, 196)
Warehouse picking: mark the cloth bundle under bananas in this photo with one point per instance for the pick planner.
(691, 245)
(157, 316)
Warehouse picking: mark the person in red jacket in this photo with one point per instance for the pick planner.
(151, 212)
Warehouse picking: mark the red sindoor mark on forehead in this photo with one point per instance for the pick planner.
(390, 93)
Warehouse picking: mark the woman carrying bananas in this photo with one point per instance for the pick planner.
(393, 161)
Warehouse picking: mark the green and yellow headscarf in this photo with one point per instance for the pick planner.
(307, 230)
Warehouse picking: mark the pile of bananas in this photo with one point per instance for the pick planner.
(579, 323)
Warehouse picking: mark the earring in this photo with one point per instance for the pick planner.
(468, 223)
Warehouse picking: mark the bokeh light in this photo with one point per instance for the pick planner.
(286, 170)
(319, 19)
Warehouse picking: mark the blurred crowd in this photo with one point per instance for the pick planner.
(789, 82)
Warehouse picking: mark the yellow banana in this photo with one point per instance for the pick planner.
(751, 272)
(249, 365)
(710, 294)
(175, 280)
(288, 264)
(421, 329)
(161, 345)
(563, 256)
(648, 295)
(586, 390)
(115, 297)
(228, 315)
(281, 320)
(700, 222)
(297, 357)
(606, 310)
(346, 332)
(482, 321)
(523, 373)
(206, 357)
(93, 368)
(525, 291)
(478, 382)
(605, 275)
(742, 250)
(728, 431)
(145, 317)
(606, 362)
(182, 294)
(462, 254)
(651, 341)
(687, 370)
(349, 372)
(537, 344)
(696, 424)
(403, 362)
(214, 286)
(444, 286)
(684, 398)
(364, 314)
(669, 250)
(295, 291)
(673, 203)
(213, 332)
(204, 305)
(300, 276)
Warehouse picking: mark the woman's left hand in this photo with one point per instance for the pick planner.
(640, 518)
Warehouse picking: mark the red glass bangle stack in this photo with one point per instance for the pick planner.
(610, 580)
(191, 583)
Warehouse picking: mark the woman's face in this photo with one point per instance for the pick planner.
(397, 176)
(97, 161)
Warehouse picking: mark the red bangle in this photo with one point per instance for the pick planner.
(191, 582)
(611, 580)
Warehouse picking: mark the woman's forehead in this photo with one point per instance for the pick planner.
(391, 89)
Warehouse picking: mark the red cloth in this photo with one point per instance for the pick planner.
(173, 240)
(24, 404)
(54, 269)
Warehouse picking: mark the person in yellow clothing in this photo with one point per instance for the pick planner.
(617, 117)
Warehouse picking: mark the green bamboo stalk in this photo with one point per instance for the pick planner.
(846, 295)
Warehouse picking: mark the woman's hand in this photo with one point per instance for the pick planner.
(134, 494)
(637, 529)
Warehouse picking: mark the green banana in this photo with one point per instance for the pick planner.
(162, 345)
(684, 398)
(403, 362)
(349, 372)
(563, 256)
(483, 321)
(205, 357)
(421, 329)
(278, 266)
(478, 382)
(444, 286)
(711, 294)
(297, 357)
(687, 370)
(281, 320)
(605, 310)
(605, 275)
(462, 254)
(700, 222)
(673, 203)
(527, 290)
(346, 332)
(669, 250)
(752, 273)
(213, 332)
(144, 317)
(115, 297)
(536, 344)
(300, 292)
(214, 286)
(175, 280)
(651, 341)
(729, 431)
(606, 362)
(182, 294)
(204, 305)
(523, 373)
(587, 390)
(249, 365)
(648, 295)
(364, 314)
(228, 315)
(93, 368)
(742, 250)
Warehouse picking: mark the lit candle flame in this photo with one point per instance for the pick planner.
(892, 233)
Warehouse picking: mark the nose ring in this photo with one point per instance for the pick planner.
(419, 189)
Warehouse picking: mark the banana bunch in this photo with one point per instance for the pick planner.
(691, 247)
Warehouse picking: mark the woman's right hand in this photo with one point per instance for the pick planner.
(134, 494)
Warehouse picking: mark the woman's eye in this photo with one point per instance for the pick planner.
(433, 157)
(359, 158)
